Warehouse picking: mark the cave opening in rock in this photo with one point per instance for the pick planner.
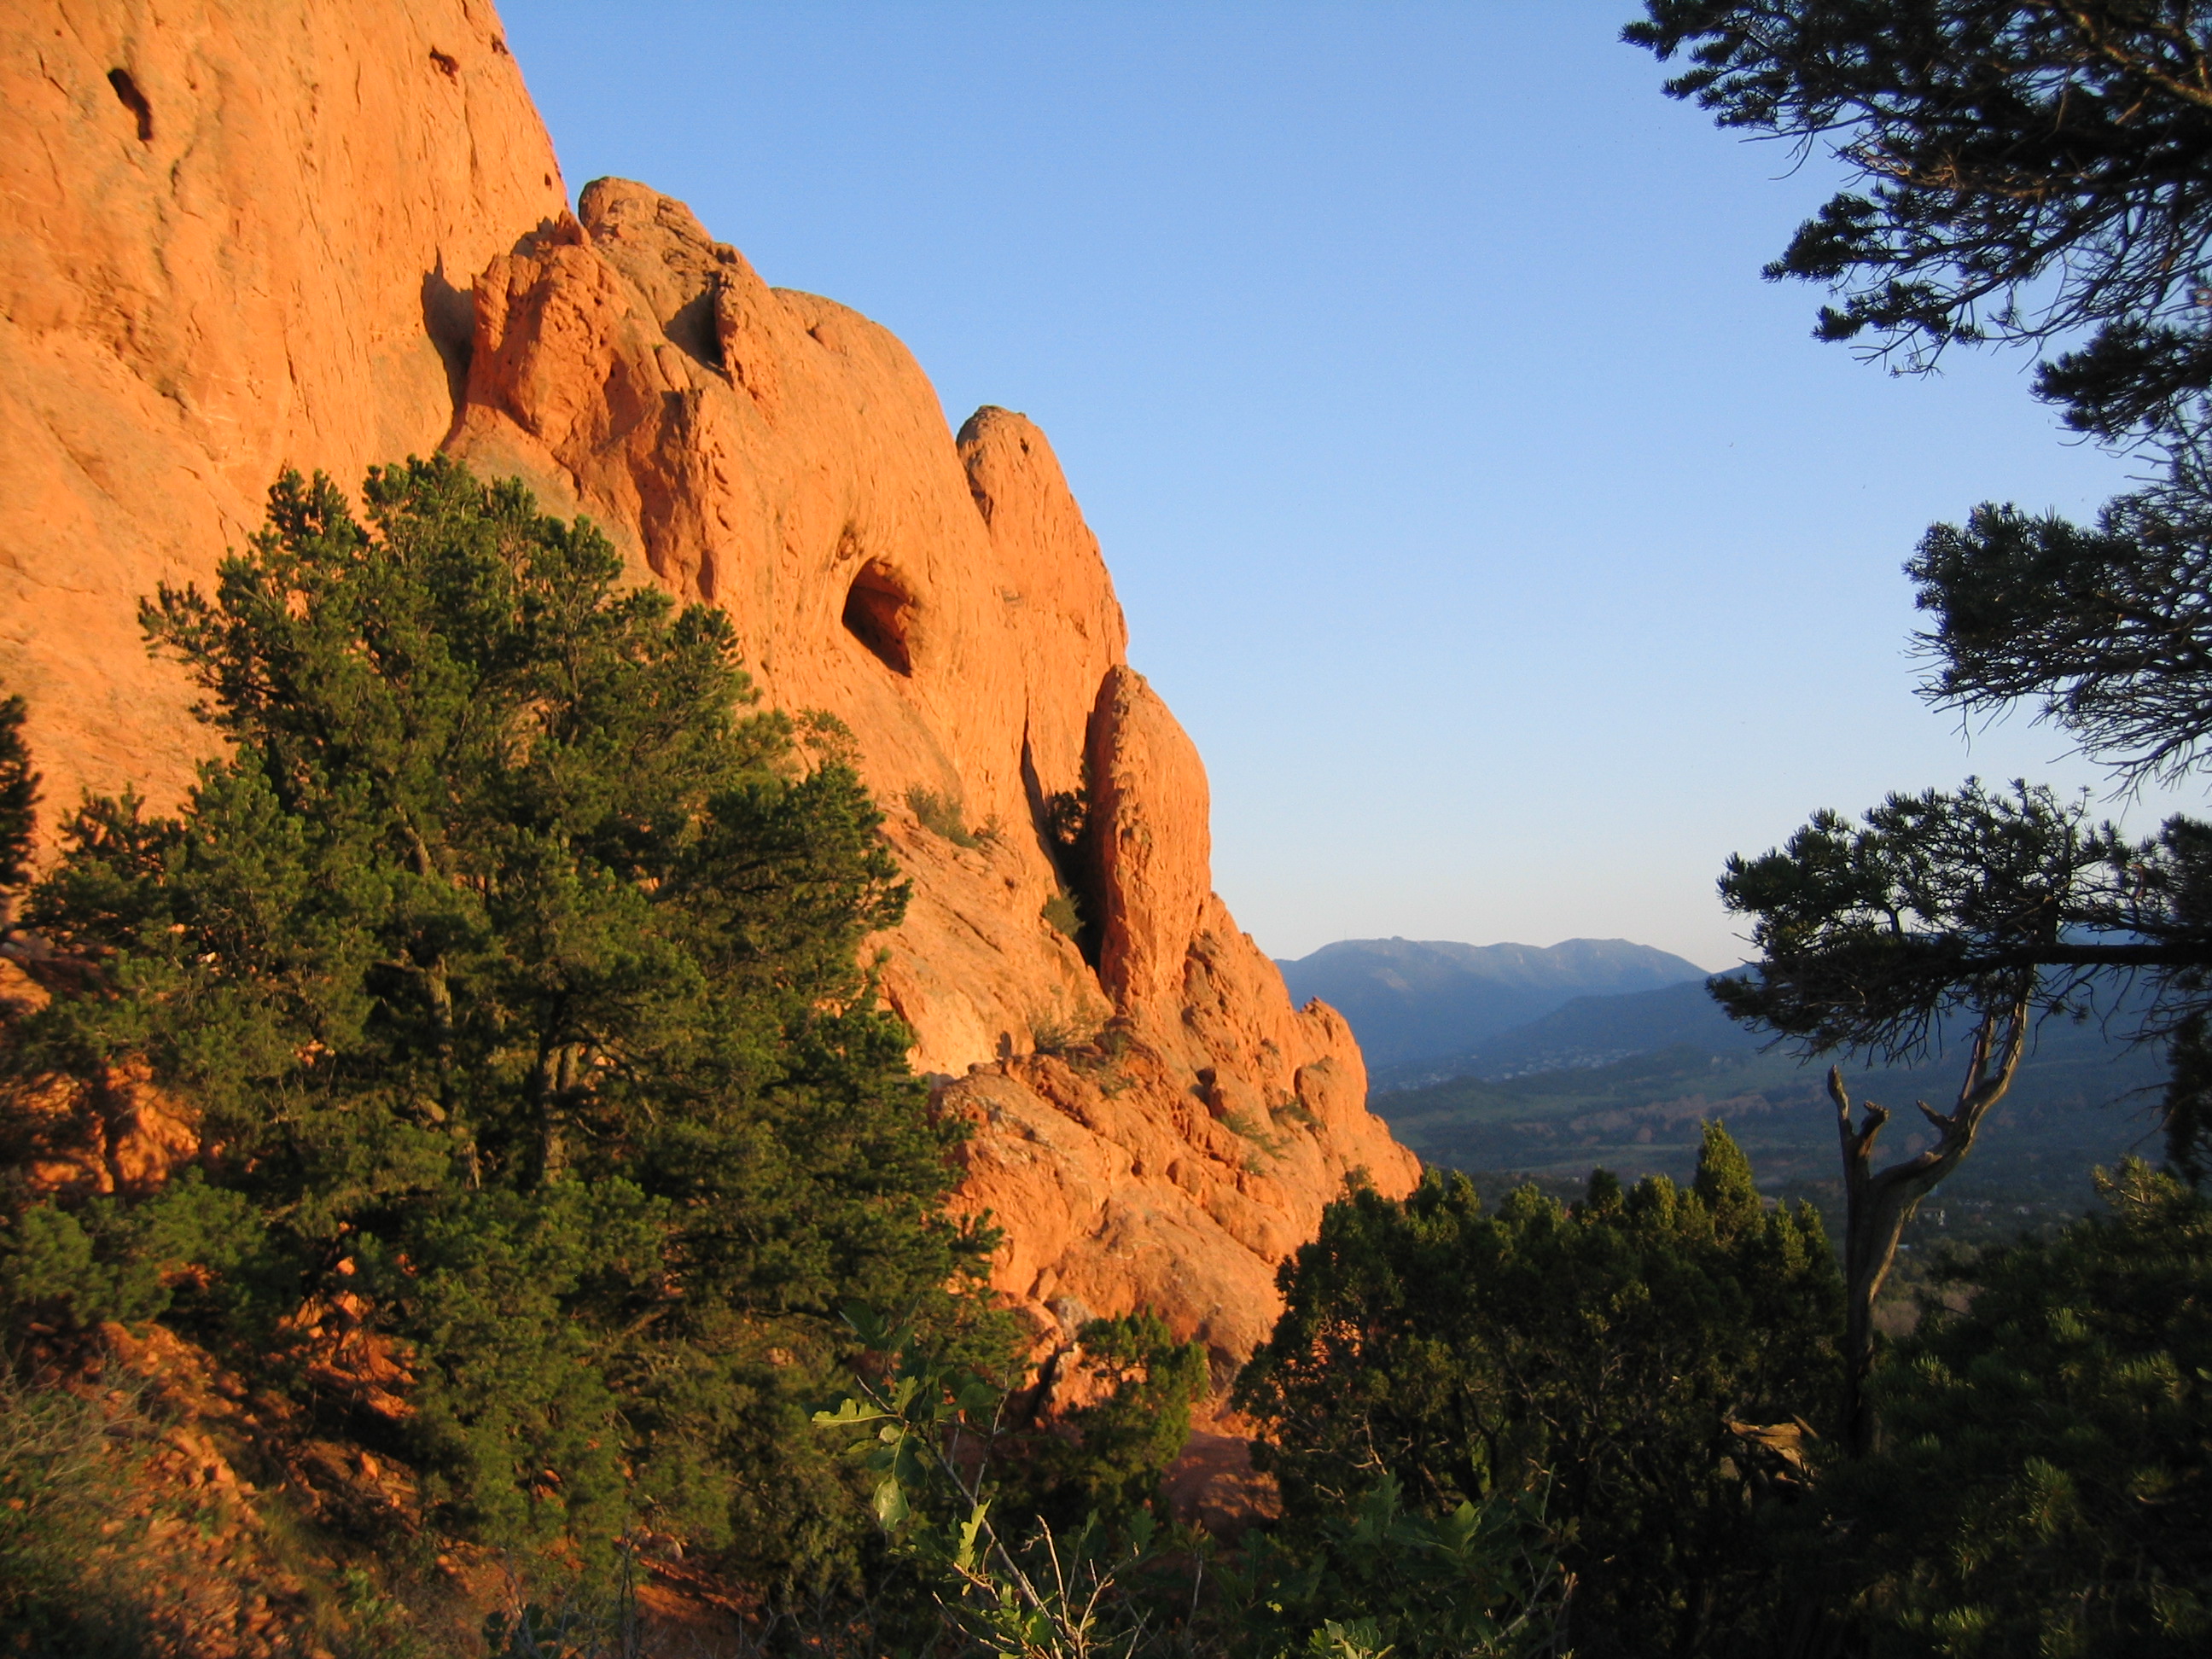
(127, 94)
(879, 613)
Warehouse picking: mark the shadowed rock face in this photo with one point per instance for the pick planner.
(1157, 1125)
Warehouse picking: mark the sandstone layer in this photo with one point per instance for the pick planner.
(245, 235)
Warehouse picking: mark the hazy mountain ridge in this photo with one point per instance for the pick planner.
(1627, 1081)
(1586, 1032)
(1412, 1000)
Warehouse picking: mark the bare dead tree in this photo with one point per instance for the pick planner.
(1878, 1204)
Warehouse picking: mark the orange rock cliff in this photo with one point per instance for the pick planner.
(260, 232)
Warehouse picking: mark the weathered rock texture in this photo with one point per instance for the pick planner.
(246, 235)
(236, 233)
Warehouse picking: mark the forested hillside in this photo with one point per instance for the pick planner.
(2082, 1099)
(1589, 1030)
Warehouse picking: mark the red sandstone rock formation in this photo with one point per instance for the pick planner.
(251, 234)
(236, 233)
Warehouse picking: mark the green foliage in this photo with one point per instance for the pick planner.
(2023, 176)
(942, 815)
(924, 1429)
(511, 962)
(63, 1485)
(954, 1474)
(1126, 1440)
(2187, 1106)
(109, 1259)
(1062, 910)
(935, 1418)
(2104, 626)
(19, 796)
(602, 1626)
(1052, 1032)
(104, 1555)
(508, 1382)
(1596, 1353)
(1961, 903)
(1375, 1579)
(1067, 816)
(2043, 1488)
(2023, 171)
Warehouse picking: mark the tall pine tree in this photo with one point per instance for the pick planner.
(510, 958)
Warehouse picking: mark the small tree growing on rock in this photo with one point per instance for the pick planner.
(19, 800)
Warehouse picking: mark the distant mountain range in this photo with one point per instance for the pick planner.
(1506, 1060)
(1415, 1000)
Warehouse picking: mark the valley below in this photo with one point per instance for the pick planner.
(1624, 1081)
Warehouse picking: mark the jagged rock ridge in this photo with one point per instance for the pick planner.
(257, 235)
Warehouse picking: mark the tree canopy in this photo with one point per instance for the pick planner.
(1962, 902)
(1595, 1355)
(2023, 170)
(19, 797)
(2043, 1489)
(2028, 172)
(2106, 629)
(508, 961)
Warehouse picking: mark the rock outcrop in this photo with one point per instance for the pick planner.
(250, 234)
(237, 234)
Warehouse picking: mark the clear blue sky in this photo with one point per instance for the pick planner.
(1508, 546)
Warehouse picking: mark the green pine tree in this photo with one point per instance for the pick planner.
(2043, 1485)
(1593, 1358)
(511, 958)
(19, 797)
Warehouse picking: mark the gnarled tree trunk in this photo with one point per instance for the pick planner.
(1878, 1204)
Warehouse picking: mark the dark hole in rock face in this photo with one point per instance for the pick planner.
(449, 317)
(693, 328)
(878, 613)
(127, 94)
